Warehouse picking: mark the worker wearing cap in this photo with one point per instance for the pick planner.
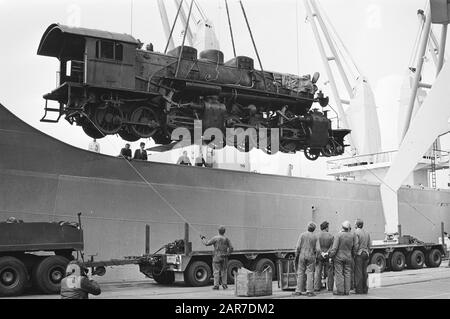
(361, 253)
(323, 265)
(305, 252)
(341, 252)
(222, 249)
(76, 284)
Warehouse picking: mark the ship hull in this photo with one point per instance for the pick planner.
(44, 179)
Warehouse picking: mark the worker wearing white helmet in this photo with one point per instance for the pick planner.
(76, 284)
(343, 245)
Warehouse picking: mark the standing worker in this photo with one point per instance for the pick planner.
(323, 264)
(361, 252)
(76, 284)
(305, 252)
(222, 249)
(341, 251)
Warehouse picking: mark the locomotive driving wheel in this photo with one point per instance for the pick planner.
(126, 135)
(327, 150)
(146, 122)
(91, 131)
(287, 146)
(108, 119)
(311, 154)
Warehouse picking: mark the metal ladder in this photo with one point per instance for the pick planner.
(433, 164)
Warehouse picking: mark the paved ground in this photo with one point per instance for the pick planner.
(408, 284)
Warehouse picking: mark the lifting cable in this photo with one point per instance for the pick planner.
(254, 45)
(186, 29)
(391, 189)
(173, 26)
(231, 29)
(149, 184)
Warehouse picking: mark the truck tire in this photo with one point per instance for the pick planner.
(198, 274)
(416, 259)
(48, 273)
(164, 278)
(397, 261)
(433, 258)
(233, 266)
(379, 261)
(13, 276)
(265, 264)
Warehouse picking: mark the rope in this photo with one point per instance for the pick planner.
(148, 183)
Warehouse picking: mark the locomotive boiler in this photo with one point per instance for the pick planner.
(109, 85)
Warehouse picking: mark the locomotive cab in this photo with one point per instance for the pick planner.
(89, 57)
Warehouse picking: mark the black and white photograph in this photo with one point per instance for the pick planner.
(226, 156)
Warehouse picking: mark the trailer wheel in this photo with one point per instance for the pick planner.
(416, 259)
(48, 273)
(397, 261)
(198, 274)
(164, 278)
(13, 276)
(434, 258)
(232, 267)
(265, 264)
(379, 260)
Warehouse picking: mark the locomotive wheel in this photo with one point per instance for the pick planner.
(148, 119)
(311, 154)
(288, 146)
(126, 135)
(108, 119)
(91, 131)
(161, 138)
(327, 151)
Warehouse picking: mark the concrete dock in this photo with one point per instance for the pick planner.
(427, 283)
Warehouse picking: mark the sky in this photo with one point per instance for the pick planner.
(379, 34)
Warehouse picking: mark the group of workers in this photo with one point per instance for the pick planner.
(139, 154)
(199, 160)
(341, 259)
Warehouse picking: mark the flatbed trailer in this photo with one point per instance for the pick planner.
(36, 254)
(397, 257)
(180, 263)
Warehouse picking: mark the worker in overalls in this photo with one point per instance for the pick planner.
(305, 253)
(323, 265)
(76, 284)
(222, 249)
(361, 252)
(342, 254)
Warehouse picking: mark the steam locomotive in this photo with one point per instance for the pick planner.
(109, 85)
